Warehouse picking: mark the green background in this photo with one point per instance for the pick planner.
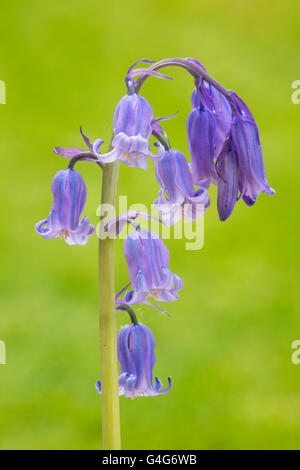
(228, 342)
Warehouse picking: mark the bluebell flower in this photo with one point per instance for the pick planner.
(246, 143)
(178, 197)
(135, 346)
(69, 196)
(148, 262)
(208, 126)
(132, 123)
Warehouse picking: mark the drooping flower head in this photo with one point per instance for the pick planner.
(135, 346)
(148, 262)
(224, 143)
(178, 198)
(69, 196)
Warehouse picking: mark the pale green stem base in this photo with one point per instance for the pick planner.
(108, 334)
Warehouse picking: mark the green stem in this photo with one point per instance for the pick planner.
(108, 333)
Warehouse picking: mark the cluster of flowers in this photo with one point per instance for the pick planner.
(224, 145)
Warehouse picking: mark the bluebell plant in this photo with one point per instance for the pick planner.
(225, 151)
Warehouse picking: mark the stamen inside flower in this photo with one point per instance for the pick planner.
(63, 234)
(126, 155)
(156, 294)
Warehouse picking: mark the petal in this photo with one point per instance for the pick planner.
(129, 387)
(169, 213)
(122, 381)
(53, 222)
(96, 146)
(140, 282)
(81, 234)
(195, 207)
(159, 258)
(75, 190)
(166, 390)
(165, 173)
(133, 116)
(43, 230)
(200, 131)
(132, 151)
(127, 365)
(131, 144)
(84, 227)
(142, 344)
(137, 258)
(167, 295)
(216, 102)
(183, 175)
(178, 282)
(62, 193)
(248, 200)
(227, 184)
(245, 138)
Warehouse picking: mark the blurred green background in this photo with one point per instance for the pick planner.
(227, 345)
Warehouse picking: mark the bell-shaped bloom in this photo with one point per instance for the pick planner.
(246, 143)
(178, 198)
(135, 347)
(220, 108)
(148, 262)
(69, 196)
(208, 126)
(132, 129)
(200, 132)
(228, 182)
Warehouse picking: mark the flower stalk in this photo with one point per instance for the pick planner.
(111, 436)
